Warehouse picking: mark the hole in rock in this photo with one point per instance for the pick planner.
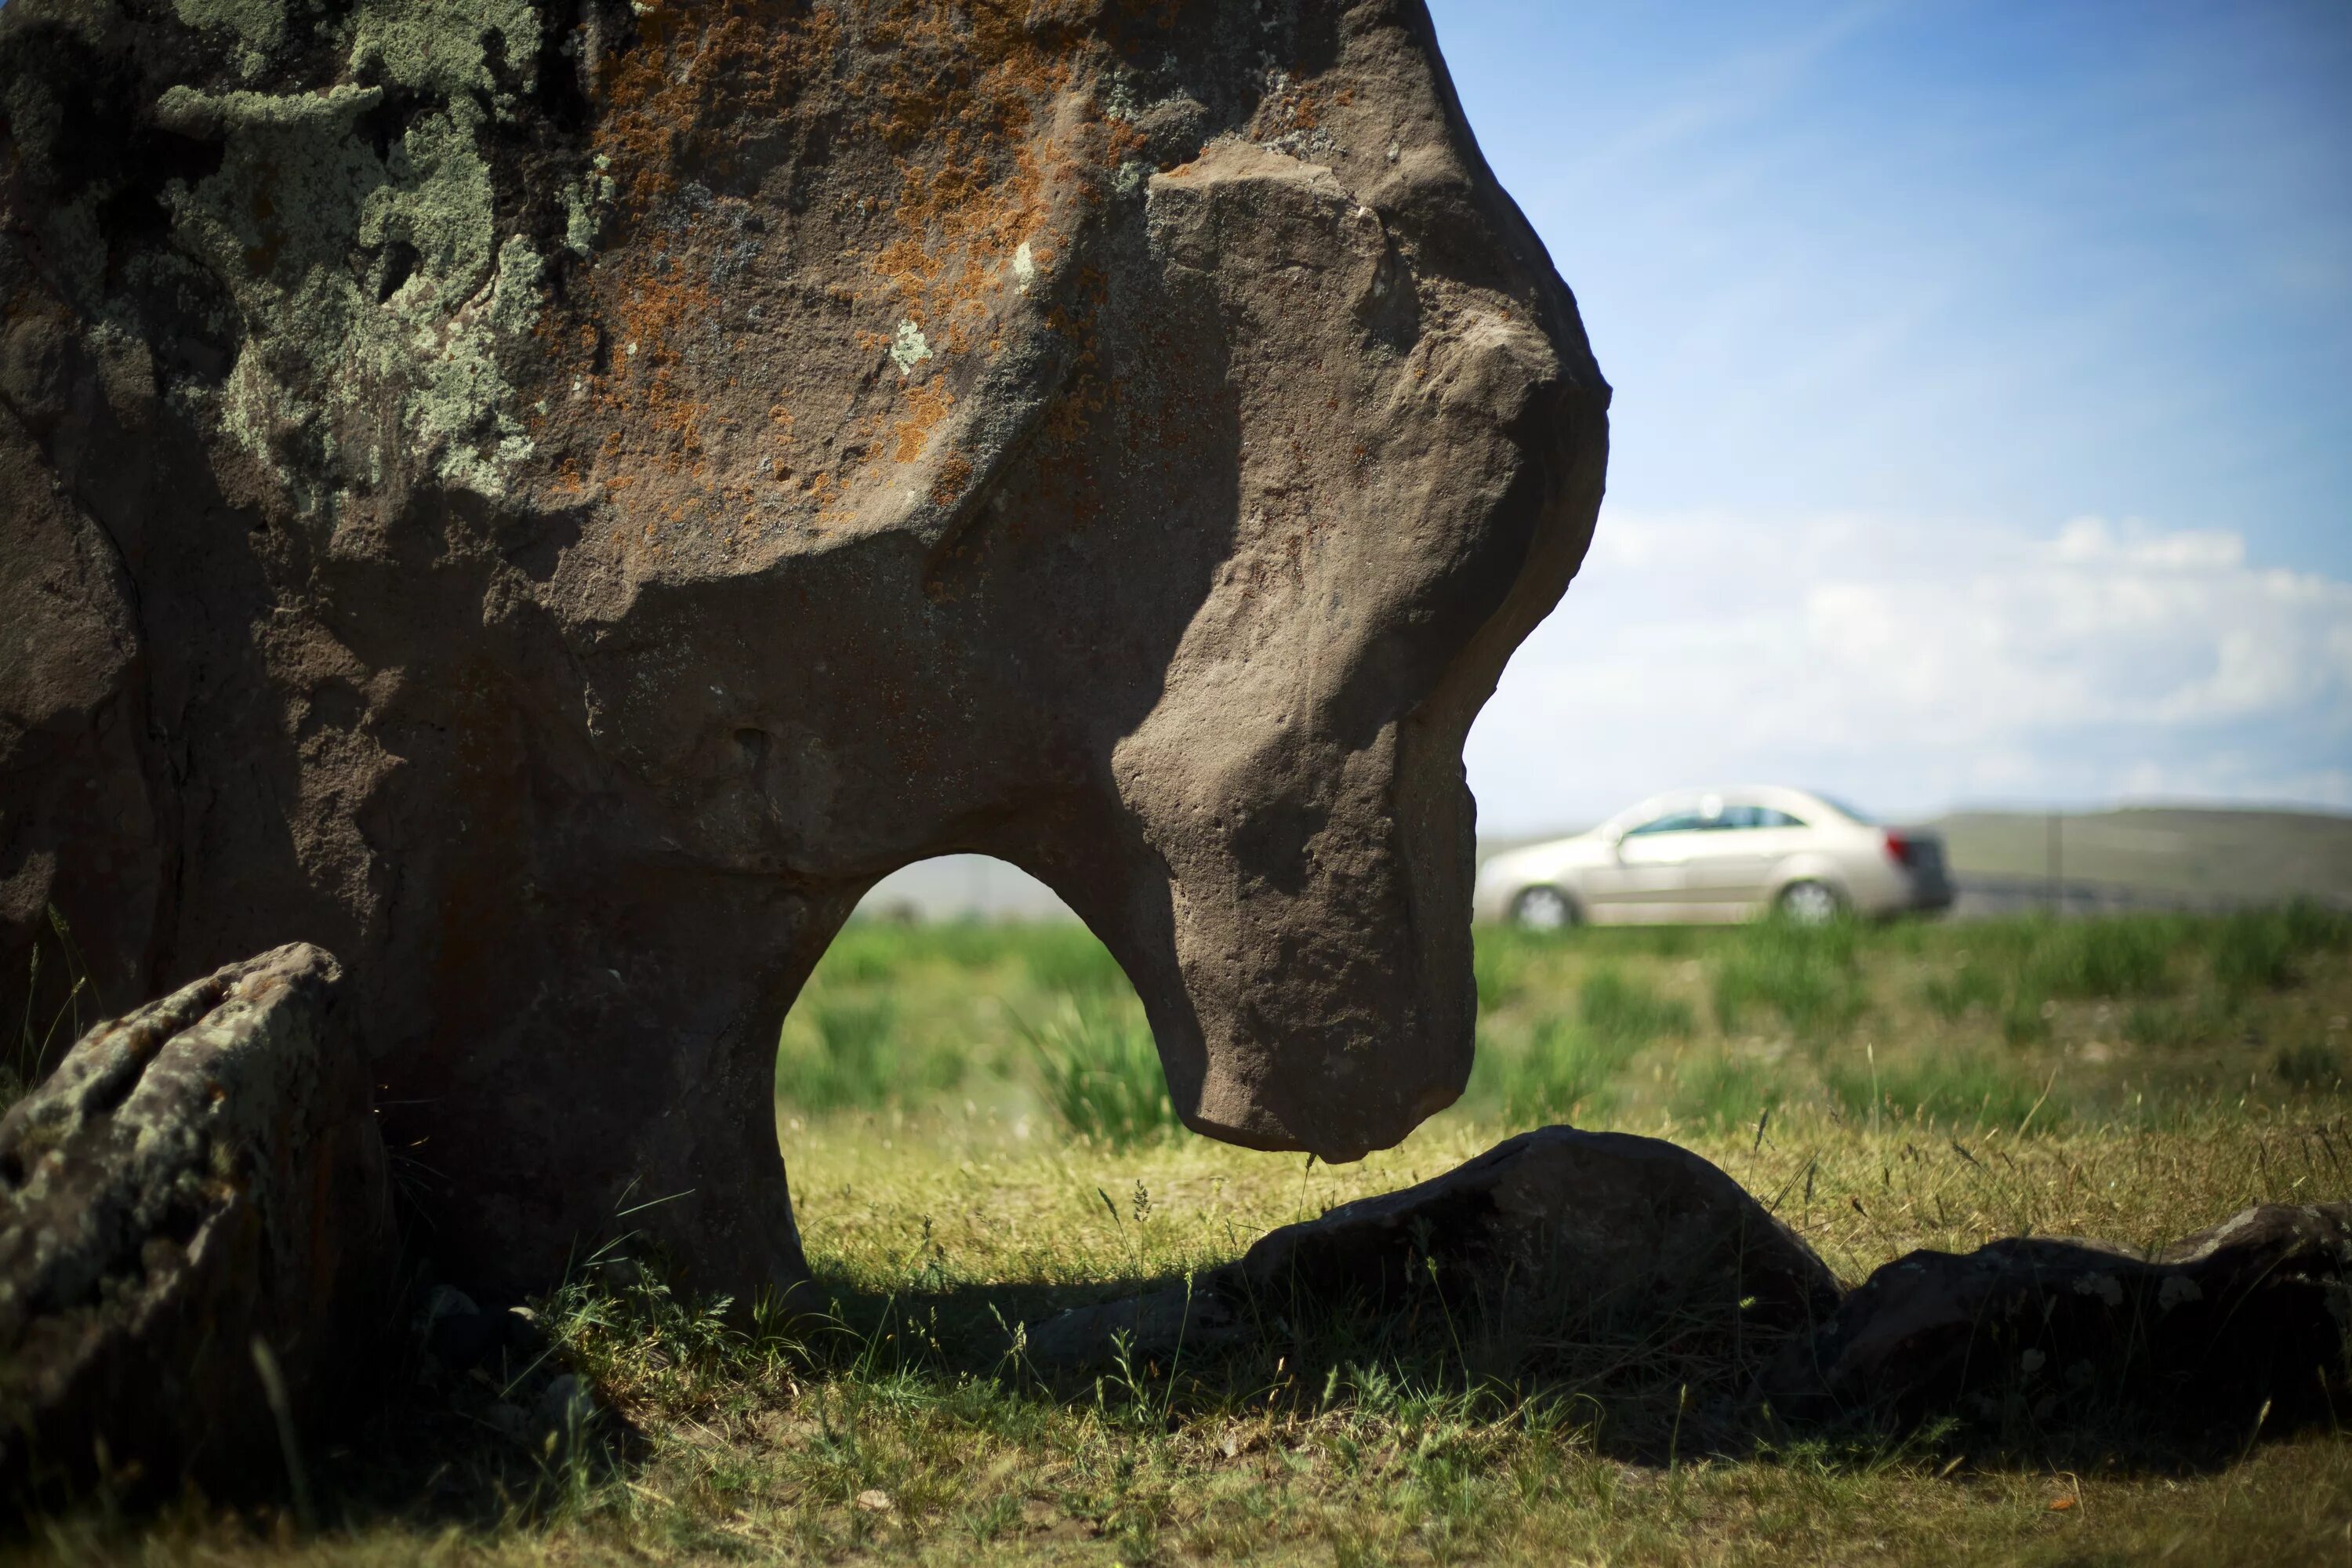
(400, 259)
(964, 999)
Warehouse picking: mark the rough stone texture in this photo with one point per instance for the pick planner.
(552, 501)
(2039, 1333)
(199, 1173)
(1600, 1228)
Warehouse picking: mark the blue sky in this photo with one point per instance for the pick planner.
(1984, 427)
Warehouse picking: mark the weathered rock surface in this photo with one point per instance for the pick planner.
(2042, 1332)
(1601, 1229)
(197, 1175)
(553, 501)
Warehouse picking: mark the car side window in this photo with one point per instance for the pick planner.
(1739, 817)
(1679, 822)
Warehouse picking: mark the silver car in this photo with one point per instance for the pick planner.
(1718, 855)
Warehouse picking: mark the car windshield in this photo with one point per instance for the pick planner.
(1857, 814)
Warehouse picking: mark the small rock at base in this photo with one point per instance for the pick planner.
(463, 1340)
(523, 1330)
(444, 1301)
(567, 1403)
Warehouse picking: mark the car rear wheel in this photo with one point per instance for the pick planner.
(1811, 903)
(1544, 908)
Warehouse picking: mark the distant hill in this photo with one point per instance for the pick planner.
(2151, 856)
(963, 886)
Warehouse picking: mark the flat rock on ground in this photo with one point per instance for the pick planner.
(1603, 1229)
(2032, 1333)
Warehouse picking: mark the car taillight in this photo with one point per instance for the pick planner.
(1898, 848)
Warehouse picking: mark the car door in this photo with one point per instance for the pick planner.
(1728, 865)
(1645, 878)
(1776, 836)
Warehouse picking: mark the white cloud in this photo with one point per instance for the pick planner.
(1916, 665)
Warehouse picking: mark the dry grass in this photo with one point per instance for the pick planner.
(934, 1224)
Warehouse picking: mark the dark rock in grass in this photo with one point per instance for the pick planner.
(523, 1332)
(197, 1178)
(1556, 1227)
(2034, 1334)
(462, 1340)
(566, 1403)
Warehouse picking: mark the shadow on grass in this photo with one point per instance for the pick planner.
(426, 1457)
(1670, 1390)
(1673, 1383)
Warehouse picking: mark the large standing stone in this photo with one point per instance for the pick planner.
(197, 1176)
(552, 501)
(2248, 1320)
(1602, 1231)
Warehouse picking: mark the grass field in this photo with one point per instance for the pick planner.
(976, 1137)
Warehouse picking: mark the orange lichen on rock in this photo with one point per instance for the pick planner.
(698, 79)
(963, 104)
(647, 377)
(927, 403)
(954, 475)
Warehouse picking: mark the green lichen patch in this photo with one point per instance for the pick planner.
(908, 348)
(586, 202)
(373, 290)
(462, 408)
(370, 283)
(444, 47)
(291, 187)
(260, 26)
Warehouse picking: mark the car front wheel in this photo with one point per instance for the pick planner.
(1544, 908)
(1811, 903)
